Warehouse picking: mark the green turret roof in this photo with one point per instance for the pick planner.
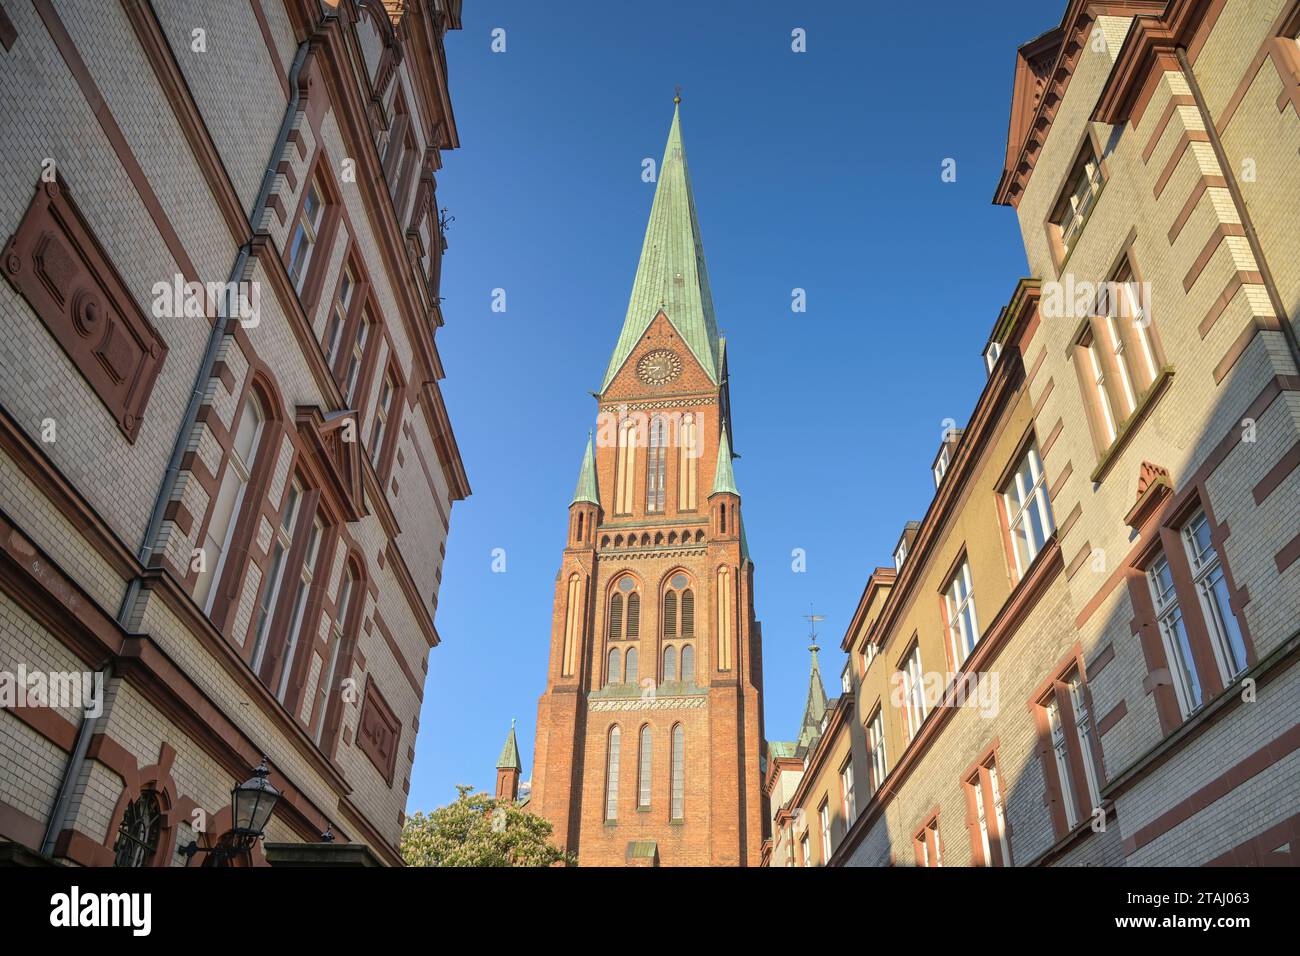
(587, 479)
(671, 274)
(814, 710)
(509, 759)
(724, 480)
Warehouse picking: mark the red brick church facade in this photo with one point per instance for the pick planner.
(649, 733)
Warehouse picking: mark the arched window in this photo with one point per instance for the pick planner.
(670, 663)
(611, 775)
(625, 481)
(724, 619)
(230, 498)
(656, 465)
(688, 613)
(580, 516)
(688, 454)
(670, 613)
(616, 618)
(722, 514)
(688, 663)
(630, 676)
(572, 627)
(676, 806)
(644, 774)
(137, 837)
(615, 675)
(633, 615)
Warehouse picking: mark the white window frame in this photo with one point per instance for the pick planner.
(1103, 396)
(614, 740)
(300, 604)
(1083, 731)
(1174, 636)
(282, 543)
(1060, 750)
(230, 501)
(347, 587)
(963, 625)
(876, 756)
(824, 822)
(339, 318)
(1212, 592)
(303, 243)
(848, 798)
(1022, 497)
(914, 703)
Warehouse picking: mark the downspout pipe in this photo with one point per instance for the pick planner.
(1239, 200)
(88, 725)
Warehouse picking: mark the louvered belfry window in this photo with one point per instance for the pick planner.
(633, 616)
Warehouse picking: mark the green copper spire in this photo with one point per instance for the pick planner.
(670, 274)
(587, 479)
(723, 478)
(813, 711)
(509, 759)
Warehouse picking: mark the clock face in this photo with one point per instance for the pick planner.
(659, 367)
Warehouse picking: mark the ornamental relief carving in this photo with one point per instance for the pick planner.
(59, 268)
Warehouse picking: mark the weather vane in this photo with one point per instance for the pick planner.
(812, 620)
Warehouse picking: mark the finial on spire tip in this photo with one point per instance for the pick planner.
(677, 94)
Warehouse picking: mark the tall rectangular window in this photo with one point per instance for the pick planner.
(1072, 748)
(229, 501)
(338, 318)
(302, 592)
(913, 691)
(1173, 634)
(824, 822)
(848, 799)
(1028, 509)
(1212, 592)
(383, 409)
(959, 603)
(876, 760)
(805, 851)
(656, 466)
(611, 775)
(337, 627)
(989, 826)
(305, 232)
(677, 809)
(645, 774)
(926, 843)
(1082, 186)
(280, 545)
(355, 360)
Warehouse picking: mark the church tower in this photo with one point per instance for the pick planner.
(650, 731)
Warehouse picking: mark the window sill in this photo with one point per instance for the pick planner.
(1132, 423)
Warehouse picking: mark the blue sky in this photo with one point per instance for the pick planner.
(819, 170)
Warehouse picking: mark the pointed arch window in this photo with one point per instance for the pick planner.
(629, 675)
(670, 663)
(572, 626)
(625, 481)
(688, 453)
(633, 616)
(670, 613)
(616, 618)
(724, 619)
(656, 465)
(678, 801)
(688, 663)
(645, 773)
(615, 674)
(611, 775)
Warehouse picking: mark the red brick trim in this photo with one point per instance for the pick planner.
(1289, 554)
(1100, 660)
(1259, 849)
(1054, 434)
(1061, 479)
(1113, 717)
(1180, 149)
(1175, 101)
(1221, 232)
(1202, 184)
(1288, 463)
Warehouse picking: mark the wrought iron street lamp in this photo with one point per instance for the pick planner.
(252, 803)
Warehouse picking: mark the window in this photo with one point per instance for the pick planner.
(615, 674)
(989, 826)
(687, 455)
(230, 500)
(137, 837)
(724, 619)
(383, 409)
(941, 464)
(1212, 592)
(1081, 189)
(1173, 634)
(688, 663)
(670, 663)
(300, 605)
(275, 574)
(338, 320)
(1028, 510)
(991, 355)
(848, 799)
(656, 466)
(644, 774)
(824, 824)
(347, 588)
(304, 235)
(869, 652)
(1100, 390)
(630, 666)
(1071, 747)
(625, 480)
(913, 691)
(928, 849)
(900, 553)
(611, 775)
(679, 620)
(959, 603)
(615, 627)
(677, 809)
(805, 851)
(356, 359)
(876, 750)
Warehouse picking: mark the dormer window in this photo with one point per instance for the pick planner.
(1082, 187)
(941, 463)
(991, 355)
(900, 553)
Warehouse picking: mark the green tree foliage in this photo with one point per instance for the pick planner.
(478, 830)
